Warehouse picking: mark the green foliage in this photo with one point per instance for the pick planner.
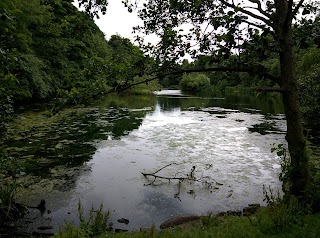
(259, 225)
(49, 50)
(310, 96)
(210, 220)
(97, 222)
(9, 166)
(7, 197)
(309, 60)
(194, 82)
(144, 88)
(282, 214)
(309, 78)
(8, 189)
(95, 225)
(285, 163)
(222, 85)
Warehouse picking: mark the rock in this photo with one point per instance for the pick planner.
(177, 220)
(123, 220)
(45, 228)
(42, 234)
(251, 209)
(234, 213)
(120, 230)
(221, 214)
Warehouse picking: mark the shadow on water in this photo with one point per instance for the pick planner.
(246, 101)
(70, 139)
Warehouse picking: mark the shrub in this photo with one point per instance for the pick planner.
(194, 82)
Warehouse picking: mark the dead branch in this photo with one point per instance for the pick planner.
(189, 177)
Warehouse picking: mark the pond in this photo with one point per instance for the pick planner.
(97, 154)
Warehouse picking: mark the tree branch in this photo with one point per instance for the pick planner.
(294, 12)
(188, 177)
(262, 11)
(259, 8)
(255, 69)
(258, 26)
(266, 21)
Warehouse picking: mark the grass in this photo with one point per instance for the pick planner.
(234, 227)
(268, 222)
(95, 225)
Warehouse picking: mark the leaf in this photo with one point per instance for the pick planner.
(305, 12)
(280, 153)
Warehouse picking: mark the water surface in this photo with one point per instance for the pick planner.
(219, 137)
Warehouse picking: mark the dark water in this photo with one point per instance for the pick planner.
(96, 154)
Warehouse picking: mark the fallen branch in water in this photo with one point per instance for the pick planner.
(208, 181)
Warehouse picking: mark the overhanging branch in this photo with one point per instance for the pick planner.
(262, 27)
(295, 11)
(262, 11)
(255, 69)
(240, 9)
(259, 8)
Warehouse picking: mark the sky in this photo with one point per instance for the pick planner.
(118, 20)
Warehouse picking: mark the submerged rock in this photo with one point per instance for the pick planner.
(234, 213)
(178, 220)
(251, 209)
(123, 220)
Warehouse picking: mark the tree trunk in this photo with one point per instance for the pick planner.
(299, 169)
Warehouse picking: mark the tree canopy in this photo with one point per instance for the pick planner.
(224, 28)
(49, 50)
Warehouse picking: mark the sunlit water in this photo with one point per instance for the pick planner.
(236, 162)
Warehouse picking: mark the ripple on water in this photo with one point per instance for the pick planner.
(221, 148)
(238, 159)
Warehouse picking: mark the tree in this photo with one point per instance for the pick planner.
(221, 28)
(194, 82)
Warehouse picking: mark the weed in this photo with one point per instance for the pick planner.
(210, 220)
(95, 225)
(282, 213)
(9, 210)
(285, 163)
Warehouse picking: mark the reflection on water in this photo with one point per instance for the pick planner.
(187, 131)
(240, 160)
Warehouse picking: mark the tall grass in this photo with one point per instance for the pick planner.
(7, 196)
(95, 225)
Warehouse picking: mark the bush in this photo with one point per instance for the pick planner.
(310, 95)
(194, 82)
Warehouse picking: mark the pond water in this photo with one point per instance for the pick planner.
(96, 154)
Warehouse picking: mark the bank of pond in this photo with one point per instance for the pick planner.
(146, 158)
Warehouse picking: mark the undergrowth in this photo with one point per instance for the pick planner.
(95, 225)
(276, 220)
